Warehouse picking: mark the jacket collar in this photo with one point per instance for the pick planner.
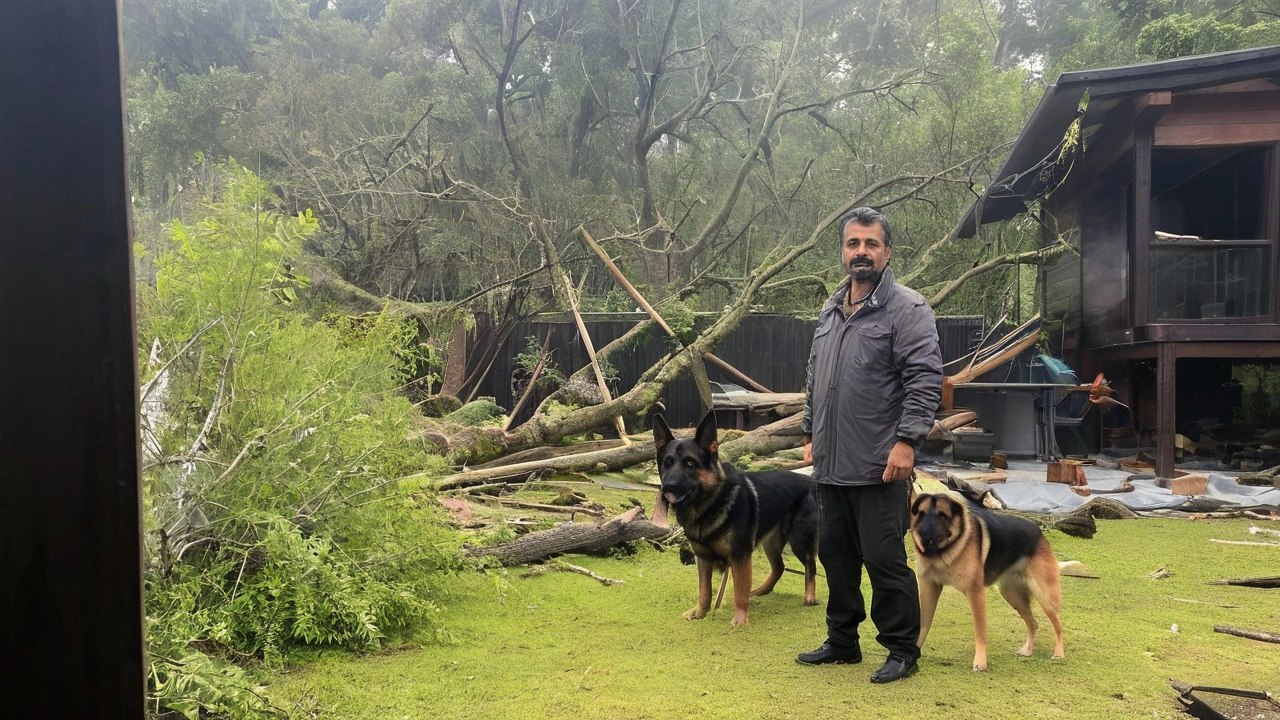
(880, 295)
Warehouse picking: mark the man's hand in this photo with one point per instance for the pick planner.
(902, 458)
(808, 453)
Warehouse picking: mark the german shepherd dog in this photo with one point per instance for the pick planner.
(727, 513)
(968, 547)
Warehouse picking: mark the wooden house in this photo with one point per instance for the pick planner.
(1165, 178)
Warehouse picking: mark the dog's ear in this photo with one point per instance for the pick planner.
(707, 437)
(661, 433)
(917, 503)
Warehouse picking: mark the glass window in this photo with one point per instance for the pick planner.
(1210, 257)
(1195, 283)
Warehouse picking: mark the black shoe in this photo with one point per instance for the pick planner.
(895, 668)
(827, 654)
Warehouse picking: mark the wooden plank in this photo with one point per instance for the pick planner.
(1166, 402)
(71, 531)
(1118, 138)
(1242, 117)
(1205, 349)
(591, 353)
(735, 372)
(1220, 103)
(1151, 107)
(1258, 85)
(1216, 134)
(1207, 331)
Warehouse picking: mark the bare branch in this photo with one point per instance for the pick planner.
(1031, 257)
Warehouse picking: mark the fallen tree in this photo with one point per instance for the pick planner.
(781, 435)
(574, 537)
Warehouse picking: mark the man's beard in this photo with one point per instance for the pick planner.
(863, 273)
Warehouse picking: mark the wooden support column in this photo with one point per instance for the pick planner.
(1142, 234)
(70, 530)
(1166, 402)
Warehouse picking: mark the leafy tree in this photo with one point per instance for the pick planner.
(273, 443)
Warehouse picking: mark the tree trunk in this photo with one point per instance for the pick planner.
(597, 461)
(574, 537)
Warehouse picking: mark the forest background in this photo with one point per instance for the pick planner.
(323, 189)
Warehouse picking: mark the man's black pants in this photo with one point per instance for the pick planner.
(864, 525)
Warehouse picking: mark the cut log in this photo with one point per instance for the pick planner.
(1271, 581)
(1251, 634)
(1069, 472)
(1185, 485)
(574, 537)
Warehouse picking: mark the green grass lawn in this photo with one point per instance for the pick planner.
(561, 645)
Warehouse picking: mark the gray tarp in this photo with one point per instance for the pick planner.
(1027, 491)
(1226, 488)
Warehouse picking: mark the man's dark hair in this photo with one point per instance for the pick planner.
(865, 216)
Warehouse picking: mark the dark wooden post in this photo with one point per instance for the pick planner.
(1166, 402)
(70, 537)
(1141, 269)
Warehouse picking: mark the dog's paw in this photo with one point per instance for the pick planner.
(1024, 651)
(739, 620)
(980, 665)
(695, 614)
(1057, 656)
(811, 601)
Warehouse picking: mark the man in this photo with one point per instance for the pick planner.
(874, 384)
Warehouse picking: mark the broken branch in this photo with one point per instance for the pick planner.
(573, 537)
(1251, 634)
(1272, 581)
(583, 571)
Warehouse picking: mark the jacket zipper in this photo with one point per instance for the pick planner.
(833, 391)
(833, 399)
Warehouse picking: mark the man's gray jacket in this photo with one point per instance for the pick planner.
(873, 379)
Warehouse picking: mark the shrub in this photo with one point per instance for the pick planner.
(274, 446)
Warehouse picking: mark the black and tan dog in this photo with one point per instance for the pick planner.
(968, 547)
(727, 513)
